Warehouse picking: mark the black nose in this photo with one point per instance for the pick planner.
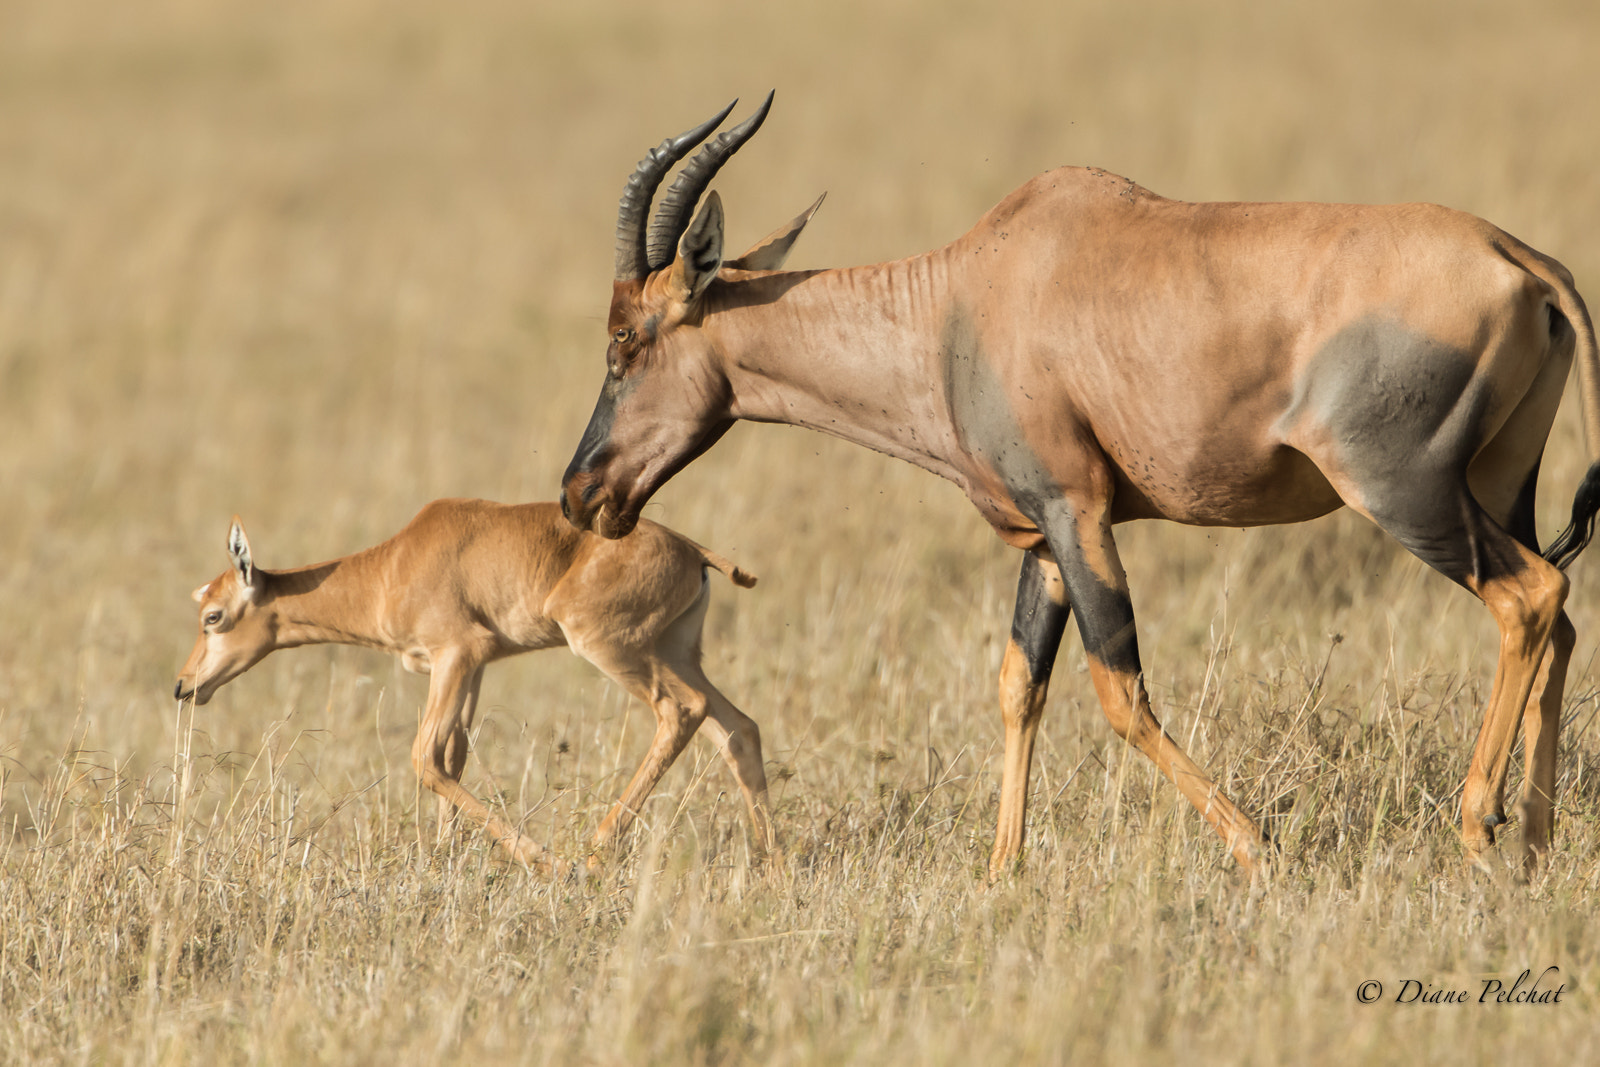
(177, 690)
(566, 512)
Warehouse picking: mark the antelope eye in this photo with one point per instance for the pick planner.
(623, 335)
(213, 617)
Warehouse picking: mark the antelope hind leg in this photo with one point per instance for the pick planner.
(1541, 725)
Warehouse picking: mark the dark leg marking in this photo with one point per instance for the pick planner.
(1038, 621)
(1470, 550)
(1105, 620)
(1105, 613)
(1406, 415)
(987, 427)
(1521, 524)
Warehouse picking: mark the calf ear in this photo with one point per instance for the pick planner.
(699, 252)
(239, 552)
(770, 252)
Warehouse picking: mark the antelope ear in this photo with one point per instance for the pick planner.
(770, 252)
(699, 252)
(239, 552)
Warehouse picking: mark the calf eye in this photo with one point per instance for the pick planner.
(213, 617)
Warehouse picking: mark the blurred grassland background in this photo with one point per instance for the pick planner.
(319, 263)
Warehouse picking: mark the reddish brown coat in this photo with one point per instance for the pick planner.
(468, 582)
(1091, 353)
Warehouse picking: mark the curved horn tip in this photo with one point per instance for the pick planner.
(760, 114)
(677, 207)
(633, 260)
(702, 131)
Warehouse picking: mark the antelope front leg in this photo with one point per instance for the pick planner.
(1037, 623)
(439, 755)
(1080, 537)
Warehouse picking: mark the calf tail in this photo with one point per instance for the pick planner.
(736, 575)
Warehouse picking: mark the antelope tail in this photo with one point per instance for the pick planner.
(1586, 502)
(736, 575)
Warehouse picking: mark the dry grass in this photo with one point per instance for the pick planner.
(320, 263)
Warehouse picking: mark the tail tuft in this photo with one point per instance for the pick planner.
(1575, 538)
(736, 575)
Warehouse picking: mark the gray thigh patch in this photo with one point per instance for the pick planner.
(1405, 415)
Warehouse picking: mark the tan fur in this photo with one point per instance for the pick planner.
(468, 582)
(1091, 353)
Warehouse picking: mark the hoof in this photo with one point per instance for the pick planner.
(1002, 865)
(1477, 862)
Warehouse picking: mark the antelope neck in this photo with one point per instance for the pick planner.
(852, 352)
(337, 602)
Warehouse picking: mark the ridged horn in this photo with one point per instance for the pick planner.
(633, 212)
(672, 217)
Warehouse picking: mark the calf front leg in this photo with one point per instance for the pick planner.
(439, 755)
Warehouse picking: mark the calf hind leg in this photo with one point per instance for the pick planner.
(738, 738)
(679, 711)
(679, 698)
(669, 678)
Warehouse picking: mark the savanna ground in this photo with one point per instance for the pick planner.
(319, 263)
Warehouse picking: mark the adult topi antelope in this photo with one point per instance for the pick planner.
(468, 582)
(1091, 353)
